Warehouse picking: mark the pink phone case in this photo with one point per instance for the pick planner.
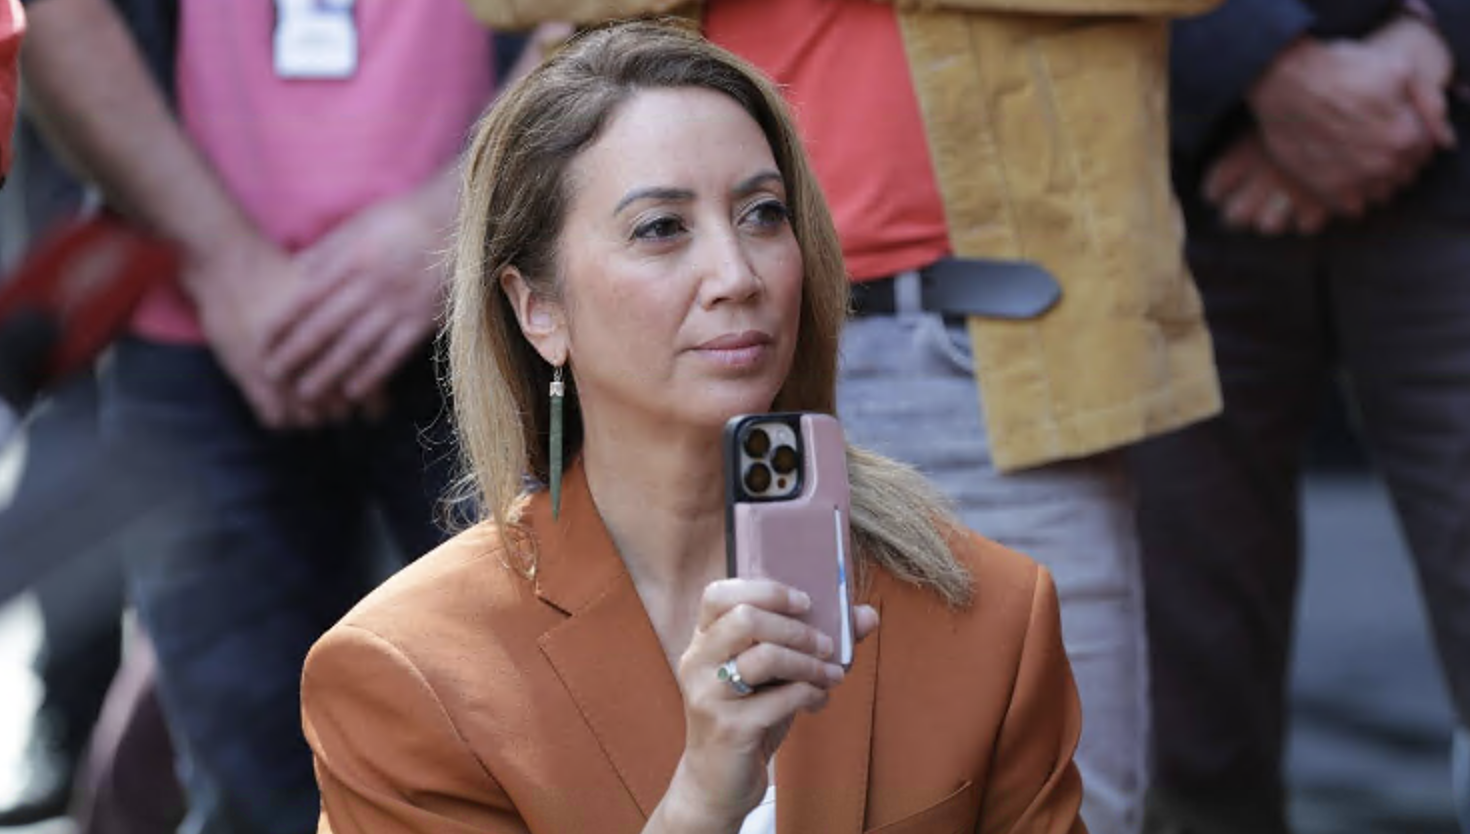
(802, 541)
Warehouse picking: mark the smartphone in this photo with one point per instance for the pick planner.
(786, 513)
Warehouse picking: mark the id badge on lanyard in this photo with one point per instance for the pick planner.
(315, 39)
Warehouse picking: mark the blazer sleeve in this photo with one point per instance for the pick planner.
(389, 759)
(1033, 784)
(1215, 59)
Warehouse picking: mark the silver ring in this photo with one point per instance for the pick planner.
(729, 674)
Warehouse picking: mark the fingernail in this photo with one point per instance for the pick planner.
(824, 645)
(800, 601)
(835, 673)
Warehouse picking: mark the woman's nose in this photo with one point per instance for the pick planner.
(730, 274)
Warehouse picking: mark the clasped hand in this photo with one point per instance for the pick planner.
(1341, 126)
(311, 339)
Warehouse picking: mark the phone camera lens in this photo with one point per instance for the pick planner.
(758, 479)
(784, 461)
(757, 443)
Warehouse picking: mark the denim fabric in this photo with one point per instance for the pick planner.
(264, 552)
(1460, 777)
(907, 390)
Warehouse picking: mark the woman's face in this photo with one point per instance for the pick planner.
(681, 277)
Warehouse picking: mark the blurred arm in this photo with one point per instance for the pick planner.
(12, 26)
(95, 99)
(97, 103)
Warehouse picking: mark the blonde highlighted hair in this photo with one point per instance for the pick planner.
(514, 198)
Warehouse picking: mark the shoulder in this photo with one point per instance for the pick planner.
(464, 599)
(383, 696)
(1003, 582)
(1013, 603)
(472, 571)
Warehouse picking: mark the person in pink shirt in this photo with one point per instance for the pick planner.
(307, 174)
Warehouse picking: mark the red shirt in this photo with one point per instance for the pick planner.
(12, 25)
(843, 68)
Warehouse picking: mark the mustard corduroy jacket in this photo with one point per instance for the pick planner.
(1047, 125)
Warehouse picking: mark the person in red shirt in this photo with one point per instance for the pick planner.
(12, 27)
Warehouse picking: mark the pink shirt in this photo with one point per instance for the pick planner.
(302, 156)
(843, 67)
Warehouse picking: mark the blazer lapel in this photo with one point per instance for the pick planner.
(822, 767)
(606, 653)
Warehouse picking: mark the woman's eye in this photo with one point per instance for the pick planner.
(660, 228)
(769, 214)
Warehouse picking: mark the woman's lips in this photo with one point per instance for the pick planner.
(737, 350)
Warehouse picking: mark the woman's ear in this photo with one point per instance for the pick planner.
(542, 320)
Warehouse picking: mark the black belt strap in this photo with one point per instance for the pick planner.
(964, 287)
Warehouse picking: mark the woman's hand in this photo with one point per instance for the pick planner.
(730, 738)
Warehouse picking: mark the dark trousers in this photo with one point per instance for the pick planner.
(81, 596)
(263, 551)
(1384, 307)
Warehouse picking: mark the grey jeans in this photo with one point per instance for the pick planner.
(907, 389)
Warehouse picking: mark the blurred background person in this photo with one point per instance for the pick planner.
(307, 180)
(938, 133)
(12, 28)
(1318, 159)
(80, 650)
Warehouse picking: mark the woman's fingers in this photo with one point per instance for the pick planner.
(779, 704)
(721, 596)
(745, 625)
(768, 663)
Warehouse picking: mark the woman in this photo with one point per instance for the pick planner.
(641, 231)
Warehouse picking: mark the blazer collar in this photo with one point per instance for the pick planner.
(606, 653)
(608, 657)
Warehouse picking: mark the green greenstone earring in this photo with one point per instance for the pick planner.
(558, 395)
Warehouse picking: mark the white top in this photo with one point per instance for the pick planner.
(762, 820)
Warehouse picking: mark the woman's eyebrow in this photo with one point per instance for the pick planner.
(655, 192)
(755, 182)
(670, 194)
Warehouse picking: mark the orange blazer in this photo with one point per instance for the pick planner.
(462, 696)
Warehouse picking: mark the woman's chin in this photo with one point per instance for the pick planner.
(722, 402)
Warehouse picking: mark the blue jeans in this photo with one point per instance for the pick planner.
(1461, 777)
(263, 552)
